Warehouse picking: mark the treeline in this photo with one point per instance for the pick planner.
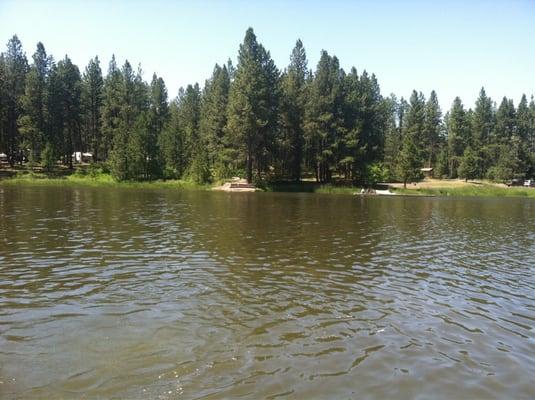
(253, 120)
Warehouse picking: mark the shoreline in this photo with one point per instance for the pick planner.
(430, 188)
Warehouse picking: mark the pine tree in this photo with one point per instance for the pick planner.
(71, 81)
(32, 122)
(324, 122)
(505, 121)
(16, 67)
(292, 113)
(432, 129)
(213, 119)
(483, 120)
(189, 117)
(470, 165)
(180, 141)
(158, 117)
(133, 101)
(111, 107)
(458, 130)
(55, 114)
(531, 139)
(409, 161)
(137, 157)
(171, 143)
(393, 139)
(371, 122)
(414, 124)
(3, 106)
(523, 119)
(253, 102)
(92, 103)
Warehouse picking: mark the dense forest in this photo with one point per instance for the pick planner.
(253, 120)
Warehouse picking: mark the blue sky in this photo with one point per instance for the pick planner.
(453, 47)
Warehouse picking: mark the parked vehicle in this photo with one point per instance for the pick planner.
(515, 182)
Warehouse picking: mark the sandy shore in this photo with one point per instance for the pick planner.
(429, 183)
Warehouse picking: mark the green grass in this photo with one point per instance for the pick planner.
(472, 191)
(310, 187)
(96, 180)
(101, 179)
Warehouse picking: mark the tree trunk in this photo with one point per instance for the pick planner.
(249, 169)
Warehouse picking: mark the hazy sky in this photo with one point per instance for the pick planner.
(454, 47)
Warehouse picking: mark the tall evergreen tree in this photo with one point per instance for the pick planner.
(505, 126)
(111, 107)
(531, 133)
(157, 118)
(253, 102)
(55, 115)
(458, 130)
(415, 124)
(523, 119)
(292, 113)
(470, 165)
(32, 123)
(483, 120)
(372, 121)
(3, 105)
(324, 122)
(171, 143)
(71, 81)
(92, 102)
(180, 141)
(133, 100)
(432, 129)
(213, 120)
(393, 139)
(16, 67)
(409, 162)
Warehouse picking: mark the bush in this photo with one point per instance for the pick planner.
(48, 158)
(375, 173)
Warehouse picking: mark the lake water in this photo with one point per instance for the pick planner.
(138, 294)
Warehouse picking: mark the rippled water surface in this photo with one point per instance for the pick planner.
(109, 293)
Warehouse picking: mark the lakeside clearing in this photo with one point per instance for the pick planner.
(96, 180)
(427, 187)
(458, 187)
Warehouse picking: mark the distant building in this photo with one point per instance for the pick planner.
(428, 172)
(80, 157)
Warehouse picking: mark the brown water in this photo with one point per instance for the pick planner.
(109, 293)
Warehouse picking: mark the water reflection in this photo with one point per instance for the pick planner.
(146, 294)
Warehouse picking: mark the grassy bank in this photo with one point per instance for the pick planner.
(427, 187)
(310, 187)
(95, 180)
(474, 191)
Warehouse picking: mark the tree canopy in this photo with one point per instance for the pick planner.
(253, 120)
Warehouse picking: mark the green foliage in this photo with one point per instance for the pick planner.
(442, 167)
(254, 122)
(470, 167)
(48, 158)
(14, 76)
(213, 120)
(253, 106)
(375, 173)
(483, 120)
(432, 129)
(292, 114)
(458, 128)
(409, 161)
(92, 104)
(324, 122)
